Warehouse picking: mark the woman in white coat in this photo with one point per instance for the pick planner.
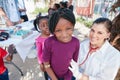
(98, 59)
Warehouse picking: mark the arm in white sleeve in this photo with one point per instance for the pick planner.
(74, 68)
(108, 70)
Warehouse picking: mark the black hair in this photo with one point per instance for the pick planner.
(57, 5)
(4, 36)
(60, 13)
(106, 21)
(115, 27)
(117, 44)
(115, 32)
(63, 4)
(37, 20)
(50, 11)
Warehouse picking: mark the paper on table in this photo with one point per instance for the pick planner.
(28, 25)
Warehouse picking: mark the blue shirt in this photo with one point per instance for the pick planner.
(5, 5)
(100, 65)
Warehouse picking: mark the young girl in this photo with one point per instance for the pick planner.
(60, 48)
(41, 25)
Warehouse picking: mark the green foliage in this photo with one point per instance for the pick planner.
(42, 10)
(35, 1)
(88, 23)
(84, 21)
(80, 19)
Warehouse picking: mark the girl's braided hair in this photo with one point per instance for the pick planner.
(37, 21)
(60, 13)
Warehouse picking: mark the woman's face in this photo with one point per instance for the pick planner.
(98, 34)
(64, 30)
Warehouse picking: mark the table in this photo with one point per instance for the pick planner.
(23, 46)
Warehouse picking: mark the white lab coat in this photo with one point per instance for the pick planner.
(100, 65)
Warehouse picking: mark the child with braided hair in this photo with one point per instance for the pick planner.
(62, 47)
(41, 25)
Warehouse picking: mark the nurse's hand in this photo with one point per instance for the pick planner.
(74, 68)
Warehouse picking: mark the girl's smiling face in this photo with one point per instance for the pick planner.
(64, 30)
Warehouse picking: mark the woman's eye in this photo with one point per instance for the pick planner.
(91, 30)
(99, 32)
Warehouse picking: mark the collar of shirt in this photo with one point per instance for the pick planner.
(104, 46)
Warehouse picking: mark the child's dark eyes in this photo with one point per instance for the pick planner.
(44, 24)
(65, 30)
(69, 29)
(57, 30)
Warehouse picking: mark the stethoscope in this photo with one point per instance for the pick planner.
(91, 50)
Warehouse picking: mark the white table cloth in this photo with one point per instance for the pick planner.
(23, 46)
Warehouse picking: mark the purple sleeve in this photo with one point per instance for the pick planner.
(39, 51)
(75, 55)
(46, 51)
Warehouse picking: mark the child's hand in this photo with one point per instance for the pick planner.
(74, 68)
(42, 67)
(11, 50)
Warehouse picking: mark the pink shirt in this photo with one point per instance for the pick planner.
(40, 45)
